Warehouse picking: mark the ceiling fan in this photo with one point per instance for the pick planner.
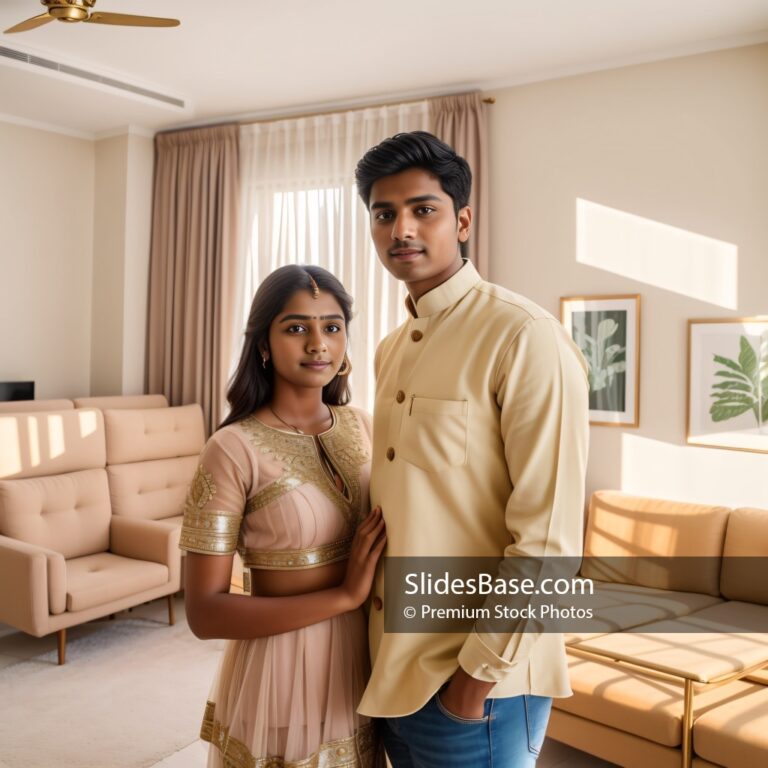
(79, 10)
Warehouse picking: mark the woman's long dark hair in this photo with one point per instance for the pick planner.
(252, 385)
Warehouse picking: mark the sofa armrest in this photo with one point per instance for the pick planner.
(151, 540)
(33, 583)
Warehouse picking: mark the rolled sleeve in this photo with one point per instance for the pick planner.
(542, 392)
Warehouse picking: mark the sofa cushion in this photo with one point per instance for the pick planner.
(645, 706)
(101, 579)
(736, 733)
(50, 443)
(623, 606)
(629, 530)
(157, 433)
(744, 575)
(618, 747)
(68, 513)
(154, 490)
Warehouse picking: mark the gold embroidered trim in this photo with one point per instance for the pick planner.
(343, 444)
(210, 532)
(356, 751)
(284, 560)
(202, 488)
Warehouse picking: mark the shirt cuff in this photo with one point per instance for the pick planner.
(480, 662)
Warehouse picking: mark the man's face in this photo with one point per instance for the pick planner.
(415, 229)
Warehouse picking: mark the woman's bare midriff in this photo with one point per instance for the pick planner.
(267, 583)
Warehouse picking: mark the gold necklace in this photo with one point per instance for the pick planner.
(293, 426)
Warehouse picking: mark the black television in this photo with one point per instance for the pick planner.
(17, 390)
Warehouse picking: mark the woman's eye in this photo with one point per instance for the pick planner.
(333, 328)
(295, 328)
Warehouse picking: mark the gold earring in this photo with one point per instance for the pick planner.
(346, 366)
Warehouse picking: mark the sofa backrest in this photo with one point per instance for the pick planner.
(25, 406)
(151, 459)
(744, 574)
(122, 402)
(67, 513)
(627, 537)
(53, 484)
(51, 442)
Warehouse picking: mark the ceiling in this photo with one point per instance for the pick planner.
(261, 58)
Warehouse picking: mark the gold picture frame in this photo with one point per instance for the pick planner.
(606, 329)
(727, 383)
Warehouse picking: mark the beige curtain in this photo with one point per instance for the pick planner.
(193, 273)
(460, 121)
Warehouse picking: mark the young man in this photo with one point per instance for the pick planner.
(480, 443)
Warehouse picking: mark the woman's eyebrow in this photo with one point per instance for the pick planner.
(310, 317)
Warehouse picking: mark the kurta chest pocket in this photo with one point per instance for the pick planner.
(434, 433)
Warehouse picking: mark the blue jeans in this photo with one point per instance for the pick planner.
(509, 735)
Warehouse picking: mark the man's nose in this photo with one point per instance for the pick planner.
(403, 227)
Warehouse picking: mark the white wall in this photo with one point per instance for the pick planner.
(138, 215)
(109, 266)
(46, 221)
(124, 167)
(681, 143)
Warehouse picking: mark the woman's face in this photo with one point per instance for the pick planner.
(308, 339)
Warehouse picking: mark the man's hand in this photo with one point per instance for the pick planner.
(465, 696)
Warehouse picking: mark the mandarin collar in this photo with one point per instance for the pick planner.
(456, 287)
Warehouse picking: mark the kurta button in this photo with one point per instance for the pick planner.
(378, 603)
(390, 453)
(400, 396)
(417, 335)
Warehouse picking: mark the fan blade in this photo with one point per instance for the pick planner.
(35, 21)
(128, 20)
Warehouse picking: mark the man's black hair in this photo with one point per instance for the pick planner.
(417, 149)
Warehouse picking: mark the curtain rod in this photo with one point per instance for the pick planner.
(488, 100)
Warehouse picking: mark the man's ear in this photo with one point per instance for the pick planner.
(464, 219)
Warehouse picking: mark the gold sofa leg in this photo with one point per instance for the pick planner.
(171, 617)
(62, 637)
(687, 724)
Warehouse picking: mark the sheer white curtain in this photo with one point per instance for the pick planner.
(300, 206)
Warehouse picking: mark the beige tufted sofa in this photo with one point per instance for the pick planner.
(90, 511)
(666, 698)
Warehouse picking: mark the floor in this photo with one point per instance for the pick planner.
(16, 646)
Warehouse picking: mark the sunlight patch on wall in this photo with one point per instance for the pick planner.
(657, 254)
(686, 473)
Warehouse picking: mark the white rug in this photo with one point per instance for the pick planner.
(130, 694)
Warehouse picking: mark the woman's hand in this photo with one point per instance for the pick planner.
(367, 545)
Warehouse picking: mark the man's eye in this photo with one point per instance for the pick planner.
(384, 216)
(424, 210)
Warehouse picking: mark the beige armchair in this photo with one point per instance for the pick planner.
(64, 558)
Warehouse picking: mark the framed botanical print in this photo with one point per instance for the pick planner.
(607, 331)
(728, 383)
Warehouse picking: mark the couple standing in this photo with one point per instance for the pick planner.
(478, 448)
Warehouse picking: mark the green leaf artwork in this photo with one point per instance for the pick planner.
(741, 385)
(605, 356)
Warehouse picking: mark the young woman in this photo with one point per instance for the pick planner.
(284, 481)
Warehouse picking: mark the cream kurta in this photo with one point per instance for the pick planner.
(480, 448)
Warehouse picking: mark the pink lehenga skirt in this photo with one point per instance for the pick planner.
(290, 700)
